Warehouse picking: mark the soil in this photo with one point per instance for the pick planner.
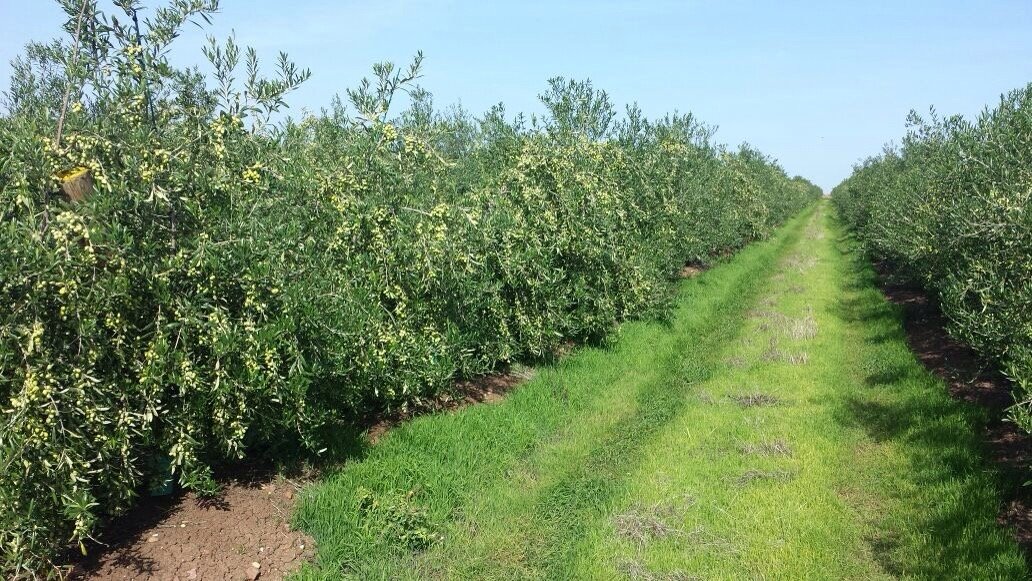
(971, 379)
(692, 270)
(485, 389)
(182, 537)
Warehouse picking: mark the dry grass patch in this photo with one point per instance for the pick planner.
(706, 397)
(641, 524)
(764, 314)
(800, 264)
(775, 354)
(769, 448)
(737, 362)
(750, 476)
(755, 400)
(640, 572)
(805, 328)
(800, 358)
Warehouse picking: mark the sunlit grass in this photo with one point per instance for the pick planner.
(776, 427)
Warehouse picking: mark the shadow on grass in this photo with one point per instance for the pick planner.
(946, 498)
(889, 376)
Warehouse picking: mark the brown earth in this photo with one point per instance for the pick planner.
(484, 389)
(244, 533)
(183, 537)
(692, 270)
(971, 379)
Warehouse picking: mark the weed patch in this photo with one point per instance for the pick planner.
(398, 518)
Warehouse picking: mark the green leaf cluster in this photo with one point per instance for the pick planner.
(951, 209)
(235, 287)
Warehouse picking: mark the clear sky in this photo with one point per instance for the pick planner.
(818, 85)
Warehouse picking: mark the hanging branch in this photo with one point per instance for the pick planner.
(143, 68)
(68, 75)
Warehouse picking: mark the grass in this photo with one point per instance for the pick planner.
(776, 427)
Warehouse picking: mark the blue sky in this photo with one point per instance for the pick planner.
(818, 85)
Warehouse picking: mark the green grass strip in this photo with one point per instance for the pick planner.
(824, 451)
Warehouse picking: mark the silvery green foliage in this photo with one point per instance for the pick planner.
(952, 209)
(235, 288)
